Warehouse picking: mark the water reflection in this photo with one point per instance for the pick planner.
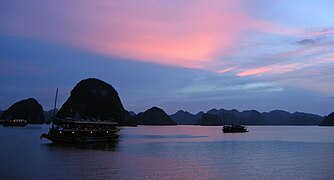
(151, 136)
(181, 152)
(103, 146)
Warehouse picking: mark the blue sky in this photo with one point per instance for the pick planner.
(190, 55)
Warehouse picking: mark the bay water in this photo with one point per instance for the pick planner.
(173, 152)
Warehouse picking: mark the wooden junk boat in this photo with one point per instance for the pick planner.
(81, 131)
(84, 130)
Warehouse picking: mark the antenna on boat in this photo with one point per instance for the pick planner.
(55, 106)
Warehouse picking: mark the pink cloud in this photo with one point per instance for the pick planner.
(191, 40)
(255, 71)
(327, 60)
(199, 33)
(269, 27)
(222, 71)
(273, 69)
(320, 33)
(180, 33)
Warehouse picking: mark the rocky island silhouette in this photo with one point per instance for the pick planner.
(97, 99)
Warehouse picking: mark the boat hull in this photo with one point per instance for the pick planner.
(83, 139)
(80, 136)
(76, 131)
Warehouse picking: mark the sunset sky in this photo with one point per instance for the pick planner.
(191, 54)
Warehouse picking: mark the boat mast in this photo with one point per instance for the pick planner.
(54, 108)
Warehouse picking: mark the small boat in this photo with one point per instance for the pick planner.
(234, 129)
(81, 131)
(14, 122)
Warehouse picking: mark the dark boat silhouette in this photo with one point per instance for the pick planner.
(14, 122)
(83, 130)
(234, 128)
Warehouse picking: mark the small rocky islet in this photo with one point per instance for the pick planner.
(28, 109)
(328, 120)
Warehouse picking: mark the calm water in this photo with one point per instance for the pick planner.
(179, 152)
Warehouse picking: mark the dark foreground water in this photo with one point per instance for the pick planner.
(179, 152)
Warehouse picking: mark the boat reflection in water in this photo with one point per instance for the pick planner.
(87, 130)
(101, 146)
